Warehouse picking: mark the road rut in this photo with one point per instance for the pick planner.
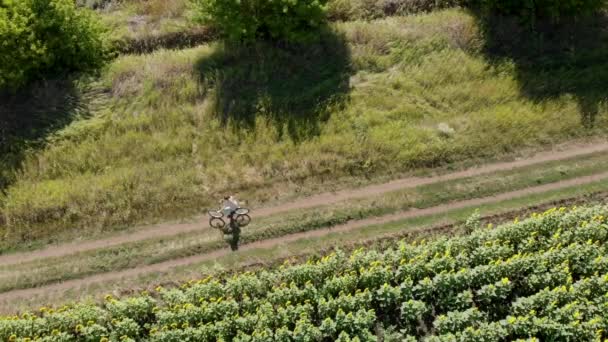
(165, 266)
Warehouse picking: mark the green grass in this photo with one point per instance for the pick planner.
(411, 229)
(151, 251)
(137, 20)
(174, 131)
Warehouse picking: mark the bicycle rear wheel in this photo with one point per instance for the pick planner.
(217, 223)
(242, 211)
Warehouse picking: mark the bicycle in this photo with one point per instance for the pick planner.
(240, 217)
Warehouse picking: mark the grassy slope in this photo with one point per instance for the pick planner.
(179, 128)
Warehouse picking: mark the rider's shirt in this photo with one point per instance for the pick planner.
(229, 206)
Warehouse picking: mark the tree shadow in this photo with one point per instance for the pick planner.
(291, 86)
(553, 59)
(30, 115)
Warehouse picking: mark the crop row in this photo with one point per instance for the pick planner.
(542, 278)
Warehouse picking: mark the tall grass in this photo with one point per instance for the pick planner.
(144, 19)
(420, 92)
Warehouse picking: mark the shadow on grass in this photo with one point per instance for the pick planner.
(291, 86)
(28, 117)
(555, 59)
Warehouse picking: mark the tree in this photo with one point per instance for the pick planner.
(41, 38)
(280, 20)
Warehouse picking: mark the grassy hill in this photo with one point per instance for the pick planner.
(163, 135)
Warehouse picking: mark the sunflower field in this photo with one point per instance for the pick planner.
(544, 278)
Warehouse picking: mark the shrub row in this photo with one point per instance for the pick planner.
(50, 37)
(299, 20)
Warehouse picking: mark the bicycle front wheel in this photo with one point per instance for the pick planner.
(243, 220)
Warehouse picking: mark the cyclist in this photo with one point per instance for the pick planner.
(229, 206)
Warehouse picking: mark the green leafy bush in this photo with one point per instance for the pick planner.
(531, 9)
(248, 20)
(39, 38)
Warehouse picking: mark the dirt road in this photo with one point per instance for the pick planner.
(165, 266)
(166, 230)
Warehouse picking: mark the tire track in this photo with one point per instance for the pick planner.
(165, 266)
(172, 229)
